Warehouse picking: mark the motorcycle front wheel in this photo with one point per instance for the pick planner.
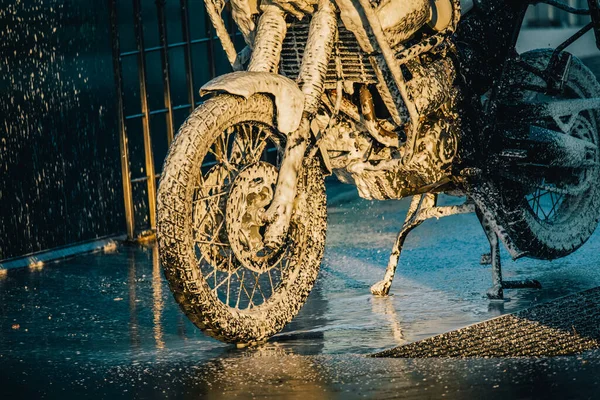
(218, 179)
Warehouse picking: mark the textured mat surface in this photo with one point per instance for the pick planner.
(564, 326)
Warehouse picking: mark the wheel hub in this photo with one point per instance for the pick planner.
(251, 193)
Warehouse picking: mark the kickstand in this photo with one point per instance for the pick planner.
(496, 292)
(422, 207)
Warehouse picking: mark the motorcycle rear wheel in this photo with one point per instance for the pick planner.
(540, 220)
(219, 175)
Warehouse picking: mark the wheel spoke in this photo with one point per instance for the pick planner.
(249, 143)
(271, 281)
(215, 276)
(555, 203)
(221, 283)
(250, 303)
(215, 235)
(260, 289)
(539, 193)
(222, 161)
(212, 196)
(209, 275)
(230, 273)
(237, 303)
(254, 287)
(541, 208)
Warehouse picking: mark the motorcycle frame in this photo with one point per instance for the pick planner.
(387, 65)
(386, 62)
(369, 34)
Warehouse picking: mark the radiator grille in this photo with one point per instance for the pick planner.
(355, 63)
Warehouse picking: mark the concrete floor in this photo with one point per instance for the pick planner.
(106, 325)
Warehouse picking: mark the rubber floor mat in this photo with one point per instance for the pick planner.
(563, 326)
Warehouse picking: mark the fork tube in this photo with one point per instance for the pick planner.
(269, 40)
(311, 79)
(321, 34)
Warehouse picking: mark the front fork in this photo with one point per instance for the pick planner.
(311, 80)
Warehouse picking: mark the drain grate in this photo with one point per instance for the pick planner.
(564, 326)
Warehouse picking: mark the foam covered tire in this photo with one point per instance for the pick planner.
(200, 300)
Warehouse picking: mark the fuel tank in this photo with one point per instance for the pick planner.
(400, 19)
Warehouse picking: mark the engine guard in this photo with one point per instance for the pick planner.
(289, 99)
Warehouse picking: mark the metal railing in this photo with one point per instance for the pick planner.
(141, 52)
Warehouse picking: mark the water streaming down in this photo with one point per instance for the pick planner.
(59, 179)
(60, 174)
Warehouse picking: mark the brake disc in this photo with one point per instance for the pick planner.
(251, 194)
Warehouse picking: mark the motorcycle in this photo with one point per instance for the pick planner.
(397, 97)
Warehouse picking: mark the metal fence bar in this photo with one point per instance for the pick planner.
(211, 45)
(149, 157)
(123, 146)
(162, 29)
(189, 71)
(145, 113)
(170, 46)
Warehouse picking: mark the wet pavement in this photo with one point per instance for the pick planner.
(105, 325)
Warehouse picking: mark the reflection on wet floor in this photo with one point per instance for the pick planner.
(157, 300)
(133, 320)
(108, 322)
(385, 306)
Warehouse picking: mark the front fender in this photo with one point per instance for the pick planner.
(289, 99)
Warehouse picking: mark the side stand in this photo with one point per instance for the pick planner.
(496, 292)
(422, 207)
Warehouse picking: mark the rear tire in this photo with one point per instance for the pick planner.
(196, 246)
(568, 221)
